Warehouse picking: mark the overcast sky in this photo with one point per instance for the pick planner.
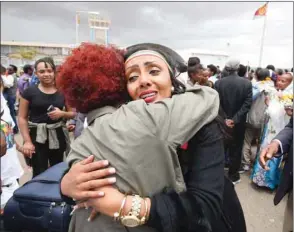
(216, 26)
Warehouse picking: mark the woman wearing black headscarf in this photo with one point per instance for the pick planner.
(198, 208)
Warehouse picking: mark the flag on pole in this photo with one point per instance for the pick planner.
(261, 11)
(78, 19)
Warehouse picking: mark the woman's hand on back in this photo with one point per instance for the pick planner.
(85, 177)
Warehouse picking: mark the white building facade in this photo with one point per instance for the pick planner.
(206, 57)
(21, 53)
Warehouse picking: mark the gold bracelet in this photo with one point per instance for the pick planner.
(144, 218)
(117, 215)
(148, 210)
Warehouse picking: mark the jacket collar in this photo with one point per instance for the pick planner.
(92, 115)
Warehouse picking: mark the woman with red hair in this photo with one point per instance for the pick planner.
(140, 140)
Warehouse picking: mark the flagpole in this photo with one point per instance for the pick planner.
(77, 28)
(262, 40)
(247, 69)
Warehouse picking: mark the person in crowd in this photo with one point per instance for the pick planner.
(212, 73)
(3, 146)
(242, 71)
(251, 75)
(143, 78)
(11, 169)
(271, 67)
(276, 119)
(280, 72)
(21, 72)
(273, 75)
(206, 74)
(34, 80)
(9, 92)
(42, 113)
(256, 115)
(77, 124)
(197, 74)
(24, 80)
(282, 144)
(254, 80)
(235, 99)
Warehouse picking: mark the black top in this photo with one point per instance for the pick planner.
(39, 102)
(235, 97)
(210, 202)
(200, 206)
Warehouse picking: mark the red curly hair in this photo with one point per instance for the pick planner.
(93, 76)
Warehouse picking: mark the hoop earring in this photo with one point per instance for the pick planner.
(172, 89)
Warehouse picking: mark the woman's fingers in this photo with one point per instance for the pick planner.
(90, 194)
(94, 175)
(88, 160)
(95, 165)
(92, 215)
(96, 184)
(263, 158)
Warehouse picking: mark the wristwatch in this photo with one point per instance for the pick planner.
(132, 218)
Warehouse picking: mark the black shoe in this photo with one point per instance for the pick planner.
(244, 168)
(235, 179)
(227, 166)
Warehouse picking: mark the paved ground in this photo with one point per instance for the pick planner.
(260, 213)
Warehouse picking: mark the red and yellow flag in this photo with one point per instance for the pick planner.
(261, 11)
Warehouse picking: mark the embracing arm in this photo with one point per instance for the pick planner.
(200, 206)
(177, 119)
(193, 210)
(85, 174)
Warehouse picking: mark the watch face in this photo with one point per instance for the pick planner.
(130, 221)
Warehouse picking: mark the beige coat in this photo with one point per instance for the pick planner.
(140, 141)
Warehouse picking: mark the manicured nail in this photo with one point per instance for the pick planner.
(89, 219)
(74, 209)
(101, 194)
(112, 180)
(105, 162)
(111, 170)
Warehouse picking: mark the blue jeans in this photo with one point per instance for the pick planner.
(10, 102)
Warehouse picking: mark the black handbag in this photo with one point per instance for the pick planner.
(38, 205)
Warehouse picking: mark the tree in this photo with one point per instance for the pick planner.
(27, 53)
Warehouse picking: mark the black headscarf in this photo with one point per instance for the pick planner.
(175, 61)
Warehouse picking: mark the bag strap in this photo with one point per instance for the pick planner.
(42, 181)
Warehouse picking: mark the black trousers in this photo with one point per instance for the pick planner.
(234, 149)
(232, 218)
(43, 155)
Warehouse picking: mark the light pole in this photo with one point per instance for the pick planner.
(78, 21)
(98, 24)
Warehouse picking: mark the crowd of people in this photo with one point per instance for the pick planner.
(153, 135)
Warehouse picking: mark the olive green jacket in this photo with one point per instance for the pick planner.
(140, 141)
